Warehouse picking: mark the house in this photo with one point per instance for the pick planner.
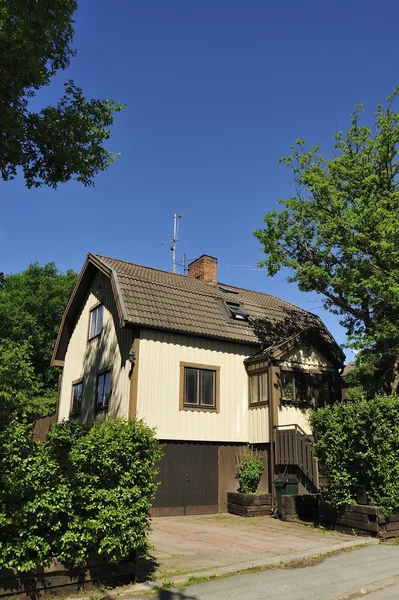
(211, 366)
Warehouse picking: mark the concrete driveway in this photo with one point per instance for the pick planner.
(223, 543)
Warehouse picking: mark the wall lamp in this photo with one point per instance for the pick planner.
(131, 356)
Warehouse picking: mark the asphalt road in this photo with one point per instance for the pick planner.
(371, 572)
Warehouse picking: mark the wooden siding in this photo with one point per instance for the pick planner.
(306, 357)
(290, 415)
(86, 359)
(159, 385)
(258, 425)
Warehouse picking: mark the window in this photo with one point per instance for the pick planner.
(323, 389)
(236, 312)
(103, 390)
(77, 389)
(258, 388)
(199, 387)
(294, 387)
(96, 321)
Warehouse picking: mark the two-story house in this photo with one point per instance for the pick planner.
(212, 367)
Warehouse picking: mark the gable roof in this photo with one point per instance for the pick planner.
(159, 299)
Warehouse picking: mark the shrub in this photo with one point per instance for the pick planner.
(249, 472)
(357, 443)
(83, 494)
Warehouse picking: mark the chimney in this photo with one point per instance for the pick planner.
(204, 268)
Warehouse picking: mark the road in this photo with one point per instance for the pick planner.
(371, 572)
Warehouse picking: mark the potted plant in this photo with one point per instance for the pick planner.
(247, 502)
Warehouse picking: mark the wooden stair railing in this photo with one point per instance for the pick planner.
(295, 448)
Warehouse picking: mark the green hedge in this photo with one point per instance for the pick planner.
(83, 494)
(357, 443)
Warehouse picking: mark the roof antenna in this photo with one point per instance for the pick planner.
(176, 222)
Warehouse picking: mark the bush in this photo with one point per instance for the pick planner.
(84, 494)
(357, 443)
(249, 472)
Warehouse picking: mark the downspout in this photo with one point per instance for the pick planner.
(271, 438)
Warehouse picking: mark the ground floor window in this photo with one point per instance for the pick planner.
(103, 390)
(199, 387)
(77, 392)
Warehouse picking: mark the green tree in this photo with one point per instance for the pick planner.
(338, 235)
(59, 142)
(31, 308)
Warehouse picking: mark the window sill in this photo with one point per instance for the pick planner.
(258, 405)
(199, 409)
(101, 409)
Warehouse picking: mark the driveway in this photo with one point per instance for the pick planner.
(223, 543)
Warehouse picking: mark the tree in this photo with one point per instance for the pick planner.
(31, 308)
(60, 142)
(338, 235)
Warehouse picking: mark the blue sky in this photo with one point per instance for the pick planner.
(216, 91)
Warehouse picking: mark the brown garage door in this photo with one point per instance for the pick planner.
(188, 479)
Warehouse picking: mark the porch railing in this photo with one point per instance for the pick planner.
(295, 448)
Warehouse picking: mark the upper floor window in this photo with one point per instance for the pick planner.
(258, 388)
(77, 391)
(103, 390)
(96, 321)
(294, 387)
(324, 390)
(199, 388)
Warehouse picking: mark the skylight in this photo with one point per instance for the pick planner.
(236, 312)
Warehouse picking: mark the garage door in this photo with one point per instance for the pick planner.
(188, 479)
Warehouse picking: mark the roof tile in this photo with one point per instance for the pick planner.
(161, 299)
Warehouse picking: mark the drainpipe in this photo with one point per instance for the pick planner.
(271, 437)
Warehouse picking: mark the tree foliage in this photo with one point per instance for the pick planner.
(31, 307)
(357, 443)
(338, 234)
(59, 142)
(22, 395)
(82, 495)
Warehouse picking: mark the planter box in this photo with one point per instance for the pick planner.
(57, 579)
(248, 505)
(360, 519)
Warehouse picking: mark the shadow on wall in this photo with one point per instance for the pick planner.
(109, 351)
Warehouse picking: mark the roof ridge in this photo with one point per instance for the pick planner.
(143, 266)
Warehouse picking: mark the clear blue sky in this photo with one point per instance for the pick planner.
(216, 91)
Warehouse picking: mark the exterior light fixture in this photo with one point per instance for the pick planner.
(131, 356)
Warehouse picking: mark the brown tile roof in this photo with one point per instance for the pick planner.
(161, 299)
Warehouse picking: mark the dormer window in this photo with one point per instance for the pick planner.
(236, 312)
(96, 321)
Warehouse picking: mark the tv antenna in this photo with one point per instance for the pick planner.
(176, 222)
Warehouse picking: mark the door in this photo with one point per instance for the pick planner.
(188, 479)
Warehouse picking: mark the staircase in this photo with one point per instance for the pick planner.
(294, 448)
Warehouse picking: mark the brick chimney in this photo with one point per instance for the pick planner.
(204, 268)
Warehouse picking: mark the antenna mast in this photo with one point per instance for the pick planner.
(175, 239)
